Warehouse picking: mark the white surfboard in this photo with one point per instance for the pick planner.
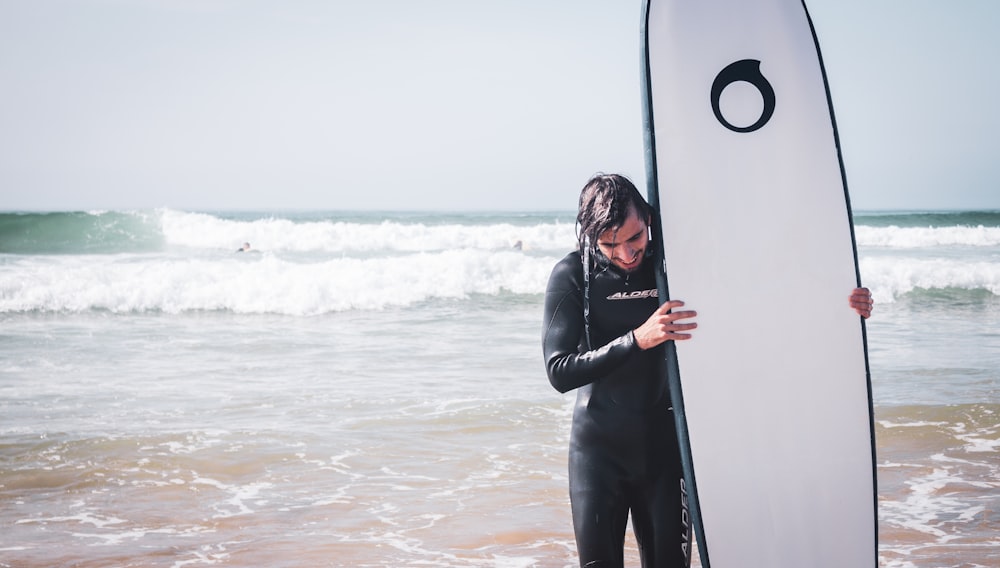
(773, 391)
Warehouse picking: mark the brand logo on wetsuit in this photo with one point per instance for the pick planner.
(685, 523)
(637, 295)
(747, 70)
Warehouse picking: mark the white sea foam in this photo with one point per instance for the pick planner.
(926, 504)
(920, 237)
(199, 230)
(85, 518)
(890, 278)
(207, 231)
(335, 263)
(919, 424)
(977, 444)
(266, 284)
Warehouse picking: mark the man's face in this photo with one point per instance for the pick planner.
(625, 246)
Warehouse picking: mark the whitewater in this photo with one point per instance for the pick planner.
(308, 264)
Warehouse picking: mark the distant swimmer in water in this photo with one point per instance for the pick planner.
(244, 248)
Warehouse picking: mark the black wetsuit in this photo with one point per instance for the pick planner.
(623, 452)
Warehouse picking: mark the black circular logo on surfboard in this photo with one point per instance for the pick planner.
(746, 70)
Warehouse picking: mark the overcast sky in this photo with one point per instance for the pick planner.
(440, 104)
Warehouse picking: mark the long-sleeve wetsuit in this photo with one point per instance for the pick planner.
(623, 448)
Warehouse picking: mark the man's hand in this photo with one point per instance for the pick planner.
(662, 326)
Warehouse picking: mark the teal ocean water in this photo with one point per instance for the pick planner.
(366, 389)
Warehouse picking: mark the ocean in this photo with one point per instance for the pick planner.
(367, 389)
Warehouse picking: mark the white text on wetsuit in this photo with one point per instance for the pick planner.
(685, 523)
(637, 295)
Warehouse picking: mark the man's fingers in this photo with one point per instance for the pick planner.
(686, 314)
(669, 305)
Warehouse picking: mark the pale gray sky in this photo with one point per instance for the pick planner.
(440, 104)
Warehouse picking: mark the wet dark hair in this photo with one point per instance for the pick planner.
(605, 203)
